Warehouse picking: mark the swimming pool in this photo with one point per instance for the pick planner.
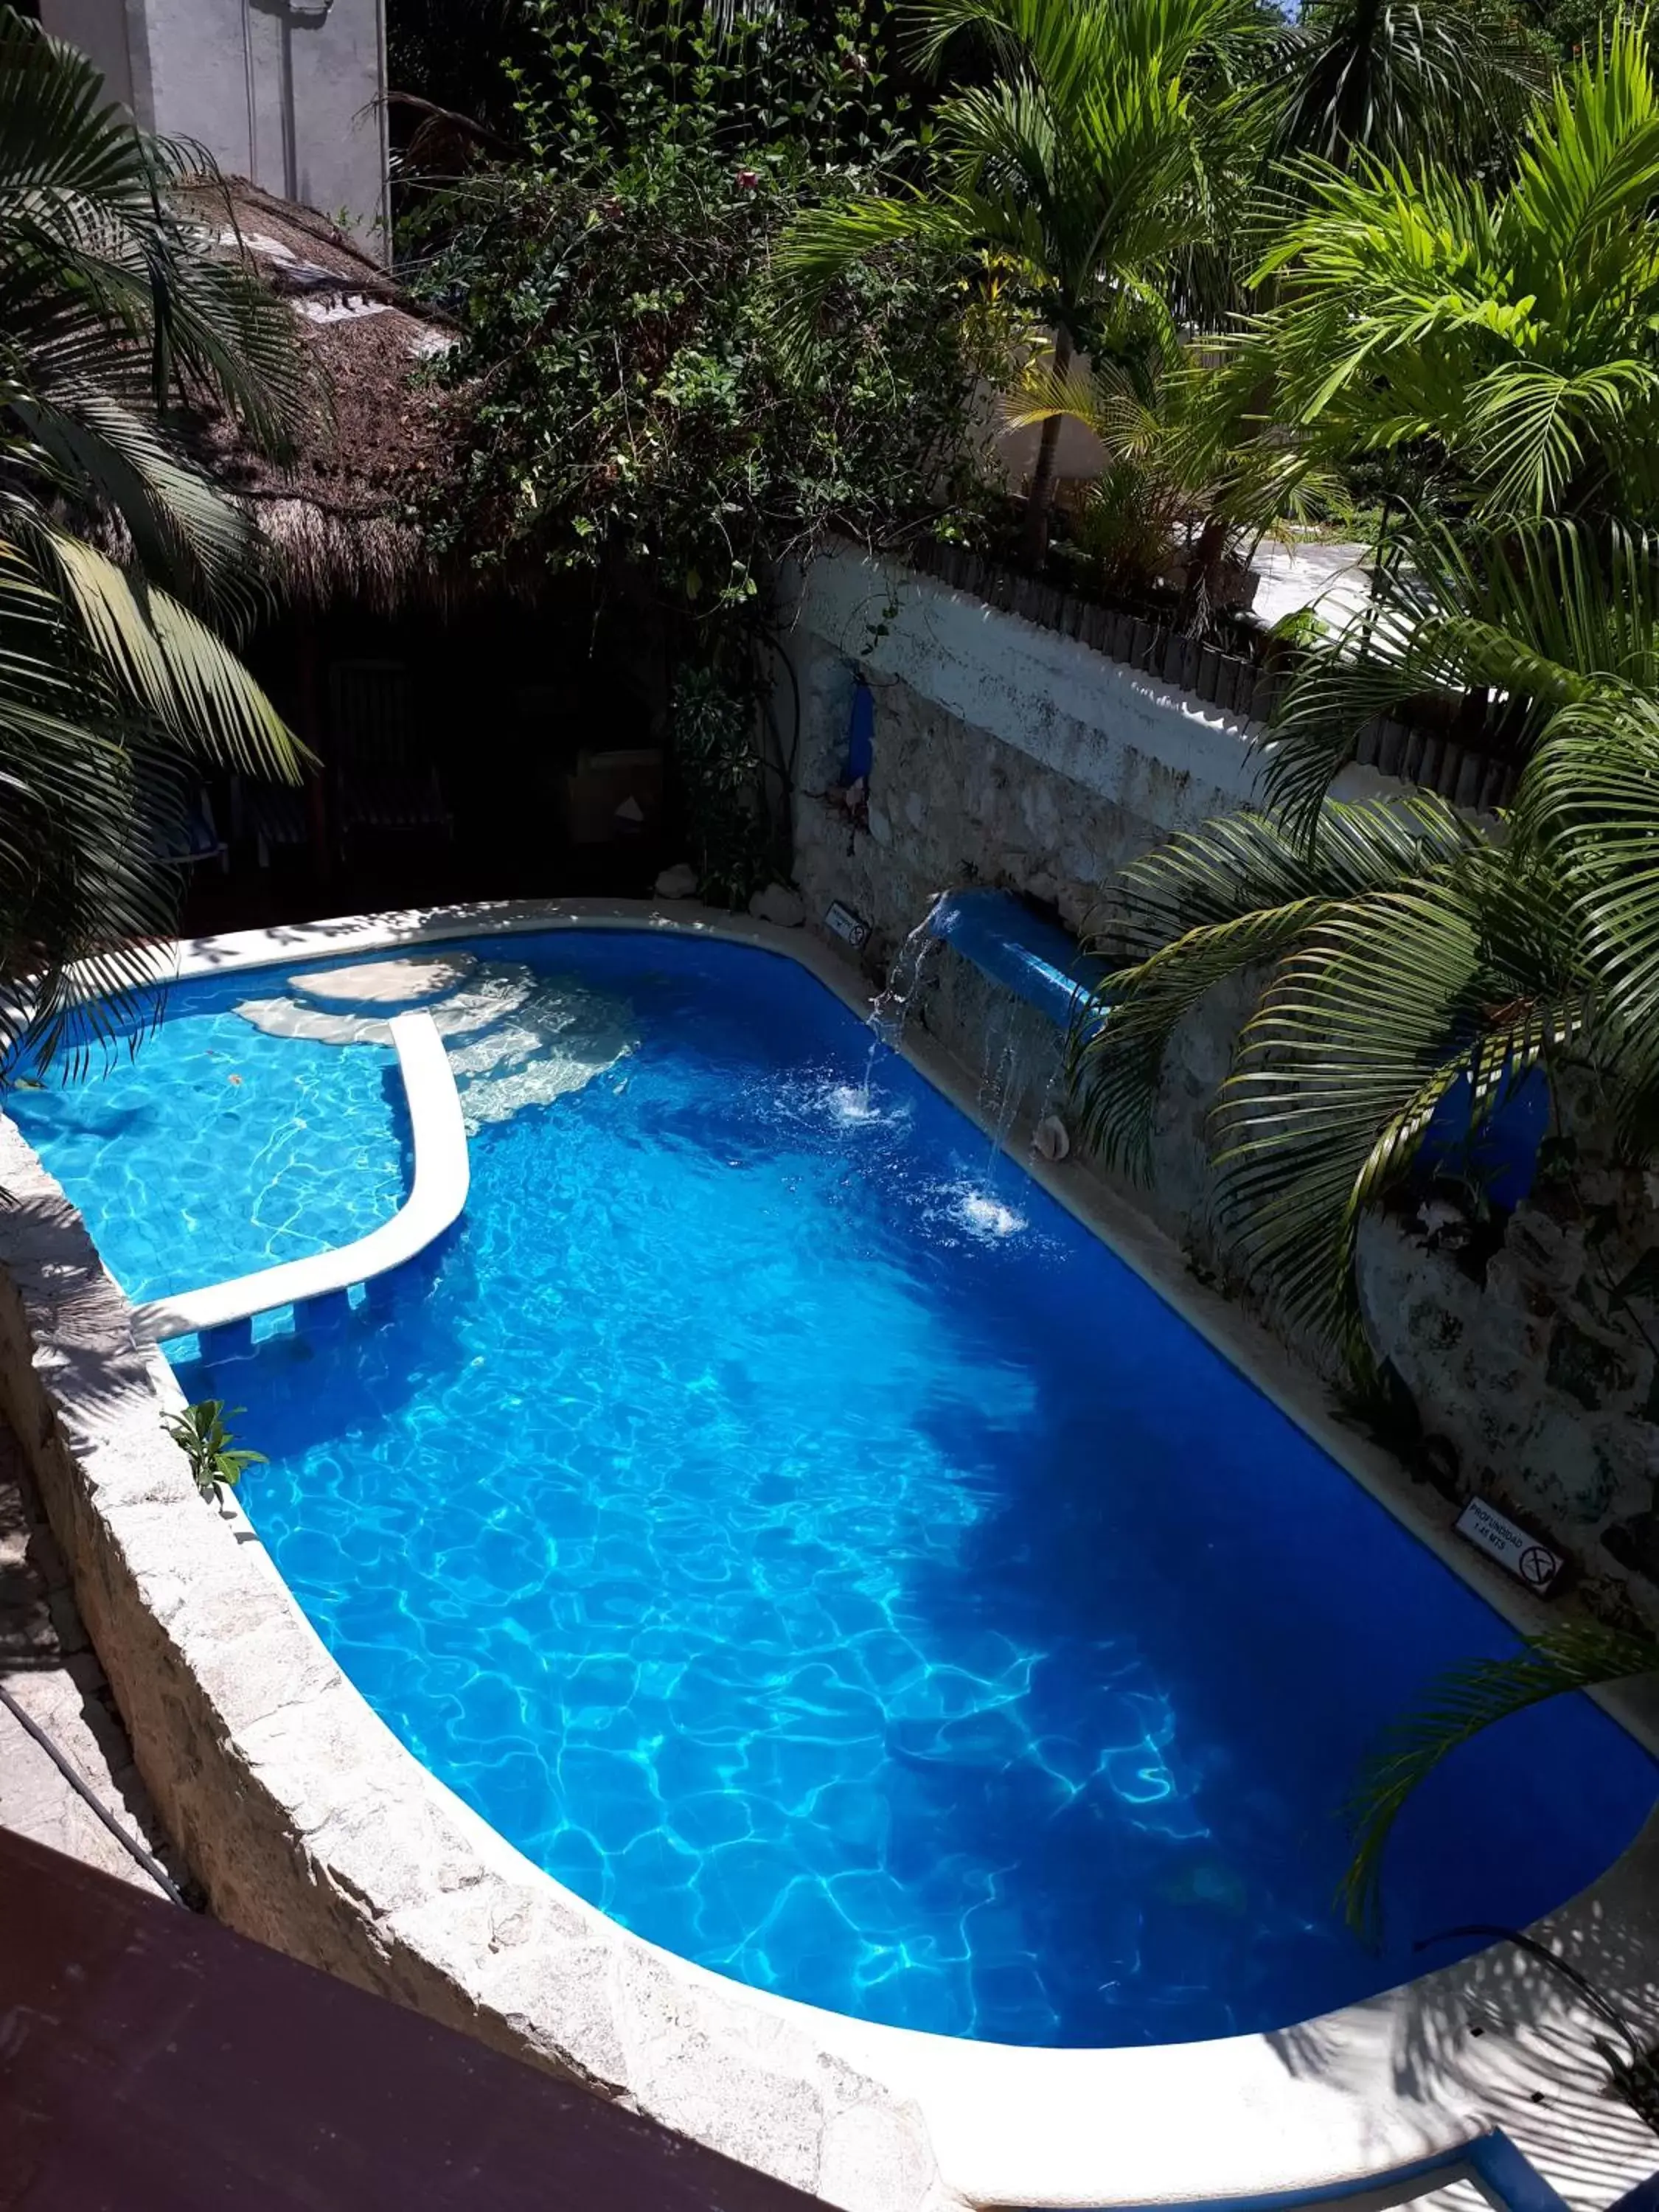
(787, 1525)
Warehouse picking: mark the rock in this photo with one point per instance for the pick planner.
(678, 882)
(1585, 1368)
(1052, 1139)
(1635, 1544)
(778, 904)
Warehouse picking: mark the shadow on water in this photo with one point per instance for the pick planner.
(1173, 1546)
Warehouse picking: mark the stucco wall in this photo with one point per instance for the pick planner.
(285, 92)
(1004, 754)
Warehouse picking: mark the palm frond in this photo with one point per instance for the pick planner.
(1462, 1704)
(1218, 903)
(1401, 80)
(172, 667)
(1536, 617)
(113, 307)
(1504, 338)
(1592, 794)
(84, 214)
(1083, 159)
(1366, 1027)
(102, 456)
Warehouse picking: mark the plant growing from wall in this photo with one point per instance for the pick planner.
(216, 1461)
(727, 820)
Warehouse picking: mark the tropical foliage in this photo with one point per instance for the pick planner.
(1461, 1705)
(1087, 177)
(1188, 490)
(119, 566)
(633, 411)
(620, 370)
(1406, 958)
(1401, 79)
(216, 1460)
(1490, 344)
(1510, 333)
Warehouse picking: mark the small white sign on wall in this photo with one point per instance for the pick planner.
(1495, 1534)
(852, 929)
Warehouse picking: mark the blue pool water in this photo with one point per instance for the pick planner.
(213, 1150)
(788, 1526)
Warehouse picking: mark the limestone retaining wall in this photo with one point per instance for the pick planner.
(1004, 753)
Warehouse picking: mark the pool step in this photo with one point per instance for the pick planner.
(385, 986)
(515, 1038)
(555, 1042)
(494, 994)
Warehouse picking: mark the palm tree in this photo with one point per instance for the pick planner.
(1399, 80)
(1082, 172)
(113, 313)
(1515, 335)
(1507, 345)
(1406, 955)
(1186, 482)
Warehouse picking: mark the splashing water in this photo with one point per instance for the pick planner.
(985, 1216)
(890, 1009)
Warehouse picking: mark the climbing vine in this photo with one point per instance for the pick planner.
(623, 390)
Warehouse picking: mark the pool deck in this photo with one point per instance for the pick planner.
(313, 1828)
(156, 2059)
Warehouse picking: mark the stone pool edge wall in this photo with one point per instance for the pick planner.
(314, 1829)
(1008, 754)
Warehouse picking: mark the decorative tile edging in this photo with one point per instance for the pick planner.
(314, 1830)
(434, 1203)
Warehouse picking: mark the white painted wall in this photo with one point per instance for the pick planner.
(284, 92)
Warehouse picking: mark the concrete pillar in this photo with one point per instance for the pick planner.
(286, 92)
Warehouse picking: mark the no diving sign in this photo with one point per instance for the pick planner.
(1526, 1559)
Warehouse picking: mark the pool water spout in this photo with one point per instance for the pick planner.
(890, 1009)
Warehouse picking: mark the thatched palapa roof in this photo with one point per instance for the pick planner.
(339, 513)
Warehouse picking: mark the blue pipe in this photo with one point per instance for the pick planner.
(1032, 958)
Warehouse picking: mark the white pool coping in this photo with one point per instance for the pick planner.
(436, 1199)
(321, 1833)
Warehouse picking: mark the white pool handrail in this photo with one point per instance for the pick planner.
(442, 1173)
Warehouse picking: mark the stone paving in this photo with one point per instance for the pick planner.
(47, 1665)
